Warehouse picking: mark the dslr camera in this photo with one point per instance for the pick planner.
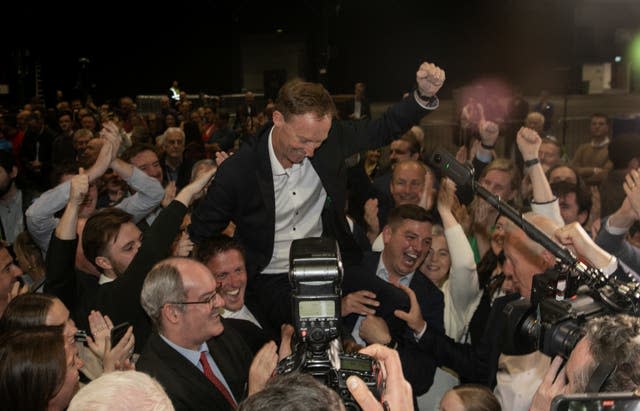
(315, 275)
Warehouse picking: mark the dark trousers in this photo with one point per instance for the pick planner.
(272, 295)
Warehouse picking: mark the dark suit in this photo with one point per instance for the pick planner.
(243, 191)
(185, 384)
(120, 299)
(254, 336)
(477, 363)
(418, 366)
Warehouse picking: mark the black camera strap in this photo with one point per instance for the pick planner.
(600, 375)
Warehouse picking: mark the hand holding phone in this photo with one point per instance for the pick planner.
(118, 332)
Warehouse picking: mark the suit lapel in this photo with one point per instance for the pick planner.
(185, 370)
(225, 361)
(265, 176)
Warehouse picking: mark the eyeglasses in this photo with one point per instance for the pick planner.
(207, 301)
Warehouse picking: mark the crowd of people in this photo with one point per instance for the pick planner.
(175, 228)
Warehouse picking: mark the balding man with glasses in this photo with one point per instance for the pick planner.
(197, 361)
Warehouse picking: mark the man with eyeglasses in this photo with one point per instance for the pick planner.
(197, 361)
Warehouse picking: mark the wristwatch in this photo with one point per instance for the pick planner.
(427, 100)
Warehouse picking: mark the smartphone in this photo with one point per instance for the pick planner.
(609, 401)
(118, 332)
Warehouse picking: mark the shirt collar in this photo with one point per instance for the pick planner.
(383, 273)
(603, 143)
(191, 355)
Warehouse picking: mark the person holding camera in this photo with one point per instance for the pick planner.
(606, 359)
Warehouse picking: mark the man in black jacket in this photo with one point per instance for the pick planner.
(200, 364)
(291, 182)
(407, 239)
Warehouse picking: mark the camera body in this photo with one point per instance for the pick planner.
(554, 319)
(315, 275)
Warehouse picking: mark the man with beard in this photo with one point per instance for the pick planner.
(13, 201)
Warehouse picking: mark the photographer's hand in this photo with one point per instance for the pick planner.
(359, 302)
(262, 367)
(552, 384)
(413, 318)
(286, 334)
(397, 394)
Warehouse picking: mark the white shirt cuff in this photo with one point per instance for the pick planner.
(614, 230)
(421, 333)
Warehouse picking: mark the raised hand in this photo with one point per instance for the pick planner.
(430, 79)
(574, 236)
(428, 192)
(446, 195)
(184, 246)
(100, 327)
(79, 187)
(631, 187)
(528, 143)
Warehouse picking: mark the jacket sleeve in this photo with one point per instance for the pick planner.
(41, 220)
(148, 195)
(61, 276)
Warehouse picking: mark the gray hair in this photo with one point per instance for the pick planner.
(162, 285)
(121, 391)
(169, 131)
(200, 163)
(614, 339)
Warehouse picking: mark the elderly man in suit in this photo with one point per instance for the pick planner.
(199, 366)
(290, 182)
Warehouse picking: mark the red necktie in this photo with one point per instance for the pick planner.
(208, 372)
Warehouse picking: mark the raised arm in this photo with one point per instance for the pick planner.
(60, 259)
(463, 277)
(41, 220)
(544, 202)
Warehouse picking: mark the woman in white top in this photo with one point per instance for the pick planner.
(451, 267)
